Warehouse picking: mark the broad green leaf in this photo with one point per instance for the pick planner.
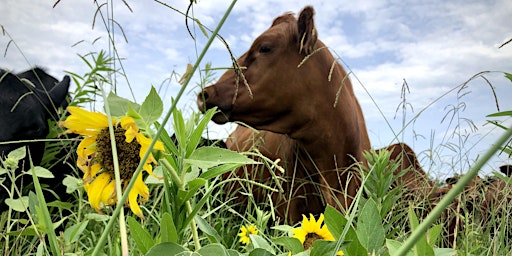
(72, 184)
(208, 157)
(168, 231)
(336, 223)
(434, 234)
(17, 154)
(393, 247)
(322, 247)
(213, 249)
(152, 107)
(445, 252)
(165, 249)
(260, 252)
(258, 242)
(208, 229)
(290, 243)
(41, 172)
(19, 205)
(73, 233)
(119, 106)
(141, 236)
(218, 170)
(370, 230)
(97, 217)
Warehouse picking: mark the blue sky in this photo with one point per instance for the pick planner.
(435, 46)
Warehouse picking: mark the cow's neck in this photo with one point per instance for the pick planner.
(333, 136)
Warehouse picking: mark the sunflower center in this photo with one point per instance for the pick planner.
(310, 239)
(127, 153)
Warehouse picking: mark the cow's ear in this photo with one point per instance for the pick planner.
(307, 31)
(59, 92)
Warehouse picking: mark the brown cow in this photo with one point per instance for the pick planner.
(296, 90)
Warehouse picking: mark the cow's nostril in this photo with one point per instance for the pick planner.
(203, 95)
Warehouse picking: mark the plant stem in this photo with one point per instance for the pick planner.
(119, 207)
(450, 196)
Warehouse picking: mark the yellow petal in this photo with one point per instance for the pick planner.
(139, 188)
(84, 122)
(95, 190)
(86, 147)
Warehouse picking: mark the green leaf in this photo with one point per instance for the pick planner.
(72, 184)
(508, 75)
(336, 223)
(445, 252)
(196, 136)
(421, 247)
(258, 242)
(370, 230)
(41, 172)
(142, 238)
(322, 247)
(207, 157)
(73, 233)
(213, 249)
(502, 113)
(260, 252)
(168, 231)
(119, 106)
(19, 205)
(152, 107)
(290, 243)
(17, 154)
(218, 170)
(164, 249)
(393, 247)
(213, 235)
(434, 233)
(193, 187)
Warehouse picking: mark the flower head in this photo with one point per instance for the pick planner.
(311, 230)
(245, 231)
(96, 161)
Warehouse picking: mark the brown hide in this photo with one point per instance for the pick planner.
(298, 92)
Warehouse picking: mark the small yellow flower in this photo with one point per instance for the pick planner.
(96, 161)
(312, 230)
(245, 231)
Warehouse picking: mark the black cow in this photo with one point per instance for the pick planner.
(27, 101)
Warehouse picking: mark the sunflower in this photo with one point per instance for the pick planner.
(312, 230)
(245, 231)
(96, 161)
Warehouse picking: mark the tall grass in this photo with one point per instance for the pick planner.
(190, 213)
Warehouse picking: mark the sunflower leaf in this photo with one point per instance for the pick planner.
(168, 231)
(166, 248)
(141, 236)
(259, 242)
(290, 243)
(370, 230)
(213, 249)
(152, 107)
(208, 157)
(119, 106)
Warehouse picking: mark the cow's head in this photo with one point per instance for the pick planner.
(27, 101)
(274, 82)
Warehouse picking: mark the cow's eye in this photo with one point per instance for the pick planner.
(265, 49)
